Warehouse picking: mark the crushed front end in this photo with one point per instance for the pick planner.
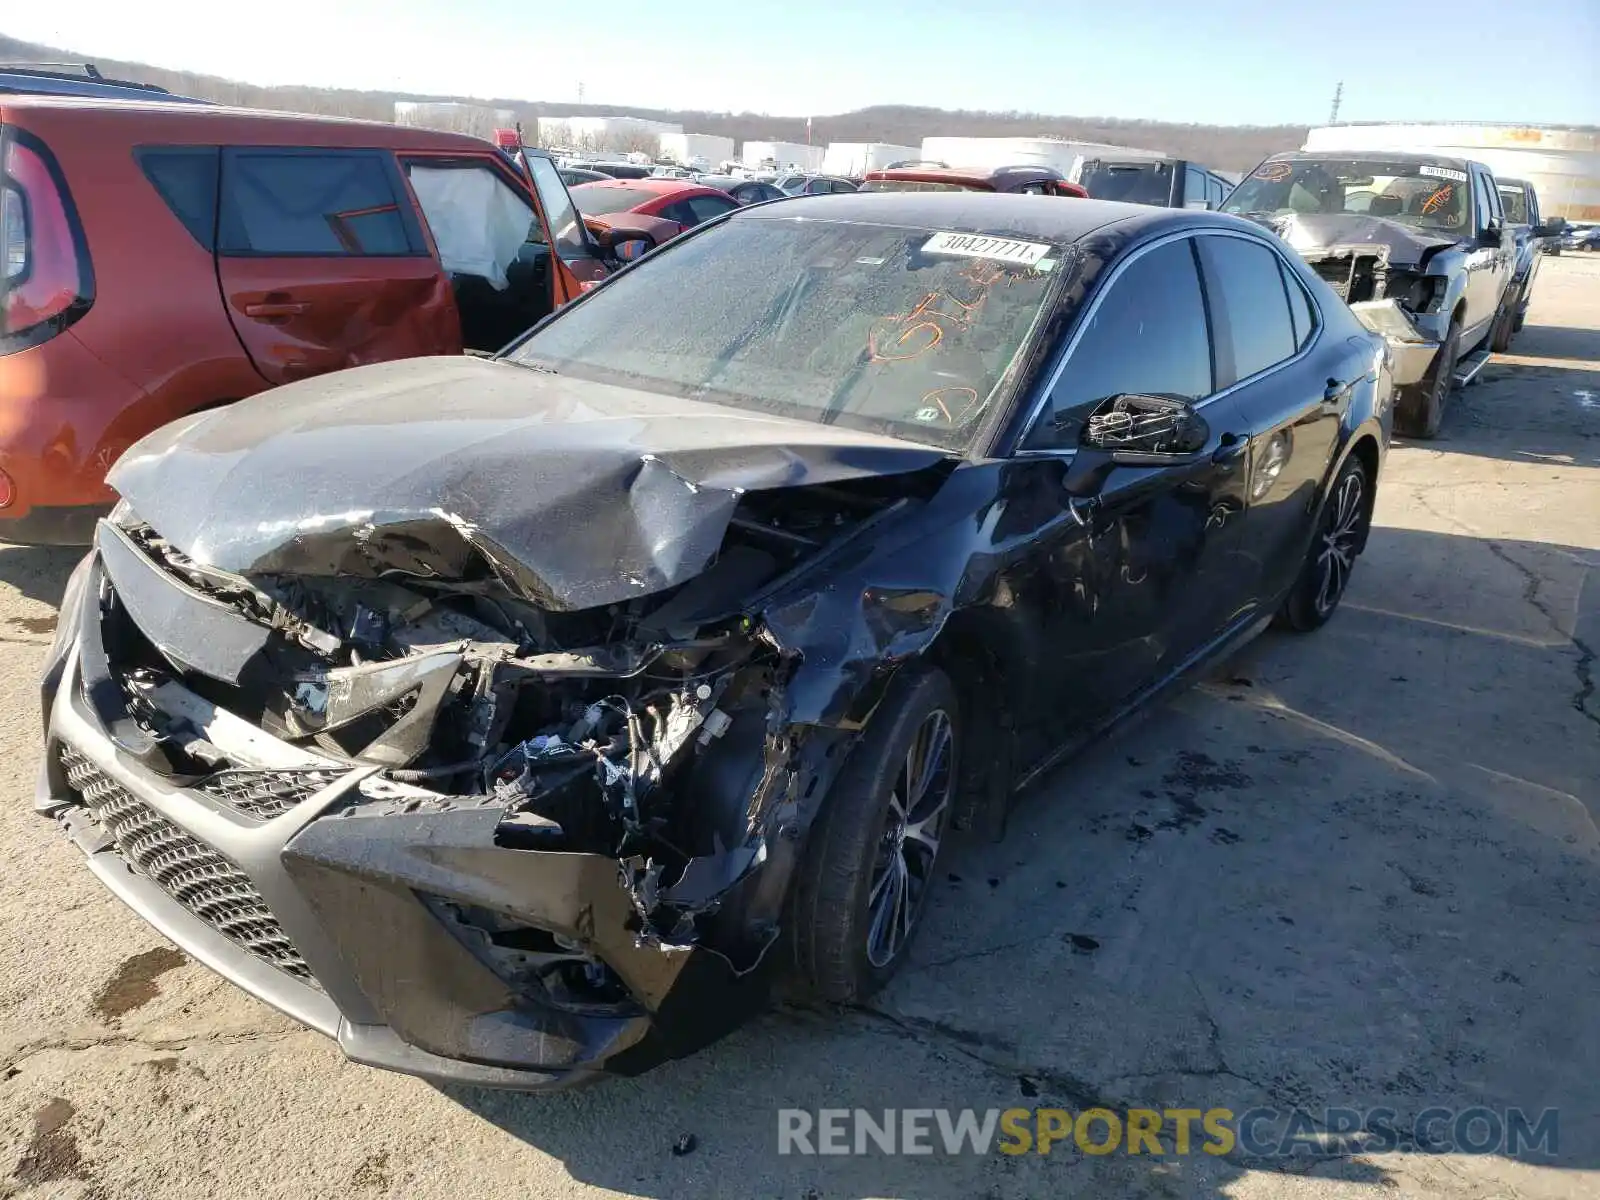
(471, 837)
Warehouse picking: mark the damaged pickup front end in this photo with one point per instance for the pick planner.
(1392, 276)
(499, 791)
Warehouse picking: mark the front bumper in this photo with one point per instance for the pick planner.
(1412, 340)
(324, 891)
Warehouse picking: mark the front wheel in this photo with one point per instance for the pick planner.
(1420, 412)
(869, 865)
(1326, 571)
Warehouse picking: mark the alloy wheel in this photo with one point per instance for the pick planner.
(1336, 552)
(913, 827)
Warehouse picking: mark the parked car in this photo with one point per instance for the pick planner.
(613, 170)
(1028, 179)
(1168, 182)
(84, 79)
(813, 185)
(522, 719)
(1416, 243)
(745, 191)
(162, 258)
(680, 203)
(573, 176)
(1582, 239)
(1531, 233)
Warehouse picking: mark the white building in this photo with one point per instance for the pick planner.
(1562, 164)
(783, 154)
(476, 119)
(857, 158)
(988, 153)
(609, 133)
(685, 148)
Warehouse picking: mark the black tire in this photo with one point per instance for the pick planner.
(1505, 326)
(855, 836)
(1420, 411)
(1341, 525)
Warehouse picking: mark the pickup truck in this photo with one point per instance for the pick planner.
(1417, 244)
(1532, 234)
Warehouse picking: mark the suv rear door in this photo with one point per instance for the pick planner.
(323, 264)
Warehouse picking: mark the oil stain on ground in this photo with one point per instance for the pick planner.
(134, 984)
(52, 1153)
(33, 624)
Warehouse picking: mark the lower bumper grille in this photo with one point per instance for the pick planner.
(264, 794)
(203, 881)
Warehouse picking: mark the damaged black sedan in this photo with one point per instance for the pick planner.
(516, 721)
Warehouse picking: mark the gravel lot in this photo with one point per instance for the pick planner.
(1356, 869)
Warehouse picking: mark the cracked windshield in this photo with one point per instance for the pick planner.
(909, 332)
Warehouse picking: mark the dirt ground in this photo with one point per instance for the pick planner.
(1358, 869)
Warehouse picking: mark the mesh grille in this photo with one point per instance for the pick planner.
(191, 872)
(264, 794)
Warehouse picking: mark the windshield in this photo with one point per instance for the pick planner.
(1417, 194)
(909, 332)
(596, 199)
(1130, 182)
(1515, 203)
(919, 185)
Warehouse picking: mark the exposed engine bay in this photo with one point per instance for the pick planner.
(593, 728)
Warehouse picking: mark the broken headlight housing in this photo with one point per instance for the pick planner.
(1417, 293)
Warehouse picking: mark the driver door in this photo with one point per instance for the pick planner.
(1157, 561)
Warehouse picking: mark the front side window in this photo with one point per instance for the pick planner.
(559, 211)
(479, 222)
(323, 203)
(1146, 334)
(1423, 195)
(910, 332)
(1247, 281)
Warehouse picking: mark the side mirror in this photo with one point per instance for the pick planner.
(1135, 429)
(1491, 235)
(631, 249)
(1554, 227)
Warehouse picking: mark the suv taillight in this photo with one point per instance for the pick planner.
(45, 280)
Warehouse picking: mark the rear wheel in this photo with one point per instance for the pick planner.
(869, 867)
(1326, 571)
(1420, 411)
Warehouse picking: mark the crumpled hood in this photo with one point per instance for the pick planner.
(1309, 232)
(578, 494)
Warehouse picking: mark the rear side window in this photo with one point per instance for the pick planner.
(1299, 306)
(319, 203)
(185, 177)
(1249, 284)
(706, 207)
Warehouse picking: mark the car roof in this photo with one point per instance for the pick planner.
(653, 183)
(221, 125)
(992, 176)
(1008, 213)
(1418, 157)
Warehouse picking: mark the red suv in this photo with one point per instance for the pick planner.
(161, 258)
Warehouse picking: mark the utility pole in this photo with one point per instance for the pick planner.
(1338, 95)
(580, 92)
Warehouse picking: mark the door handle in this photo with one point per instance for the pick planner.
(1233, 448)
(270, 309)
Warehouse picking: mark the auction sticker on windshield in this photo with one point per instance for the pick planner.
(974, 245)
(1444, 173)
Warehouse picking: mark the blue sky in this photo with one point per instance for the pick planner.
(1226, 61)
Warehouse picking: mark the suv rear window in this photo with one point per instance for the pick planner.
(186, 178)
(314, 203)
